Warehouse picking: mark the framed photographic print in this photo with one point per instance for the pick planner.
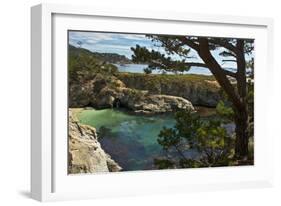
(138, 102)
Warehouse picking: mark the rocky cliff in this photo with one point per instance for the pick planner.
(199, 90)
(107, 92)
(85, 152)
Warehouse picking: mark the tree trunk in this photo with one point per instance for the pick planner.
(242, 136)
(241, 114)
(218, 72)
(238, 98)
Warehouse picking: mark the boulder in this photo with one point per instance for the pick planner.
(153, 104)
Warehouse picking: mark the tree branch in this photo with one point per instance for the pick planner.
(224, 44)
(229, 60)
(229, 73)
(189, 43)
(180, 152)
(195, 64)
(187, 64)
(226, 54)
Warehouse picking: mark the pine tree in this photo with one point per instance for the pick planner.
(231, 50)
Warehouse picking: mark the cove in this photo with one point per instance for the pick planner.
(131, 140)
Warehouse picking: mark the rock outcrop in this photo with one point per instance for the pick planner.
(200, 91)
(85, 152)
(155, 104)
(107, 93)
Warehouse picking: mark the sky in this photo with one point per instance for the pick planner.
(121, 43)
(109, 42)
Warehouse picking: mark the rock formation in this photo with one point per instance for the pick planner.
(85, 152)
(107, 93)
(153, 104)
(199, 91)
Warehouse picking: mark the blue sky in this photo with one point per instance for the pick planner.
(109, 42)
(121, 44)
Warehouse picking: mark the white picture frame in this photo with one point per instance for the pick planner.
(49, 179)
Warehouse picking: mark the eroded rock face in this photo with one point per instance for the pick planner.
(107, 94)
(152, 104)
(201, 93)
(80, 93)
(85, 152)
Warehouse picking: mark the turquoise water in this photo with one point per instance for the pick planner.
(131, 140)
(138, 68)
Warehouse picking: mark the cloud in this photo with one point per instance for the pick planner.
(88, 37)
(133, 36)
(108, 42)
(97, 37)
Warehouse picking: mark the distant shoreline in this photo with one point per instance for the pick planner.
(138, 68)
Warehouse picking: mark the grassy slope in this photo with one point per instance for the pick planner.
(151, 81)
(179, 77)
